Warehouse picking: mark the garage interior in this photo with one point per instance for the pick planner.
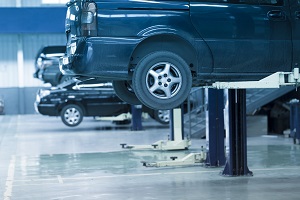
(41, 158)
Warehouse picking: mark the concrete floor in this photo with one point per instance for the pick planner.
(40, 158)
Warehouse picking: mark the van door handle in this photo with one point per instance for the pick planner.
(276, 14)
(297, 14)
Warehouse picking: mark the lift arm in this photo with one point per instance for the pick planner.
(275, 80)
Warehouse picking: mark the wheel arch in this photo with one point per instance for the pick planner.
(166, 42)
(72, 102)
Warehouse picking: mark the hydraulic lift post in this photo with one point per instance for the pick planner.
(295, 121)
(215, 132)
(136, 111)
(236, 164)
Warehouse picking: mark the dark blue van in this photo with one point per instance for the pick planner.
(156, 50)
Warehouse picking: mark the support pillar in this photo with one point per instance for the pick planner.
(136, 111)
(236, 164)
(294, 120)
(176, 125)
(215, 132)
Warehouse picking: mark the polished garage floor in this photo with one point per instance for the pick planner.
(40, 158)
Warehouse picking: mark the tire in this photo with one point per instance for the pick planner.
(162, 116)
(71, 115)
(162, 80)
(125, 92)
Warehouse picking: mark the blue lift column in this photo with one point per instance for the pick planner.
(236, 164)
(295, 120)
(136, 111)
(215, 132)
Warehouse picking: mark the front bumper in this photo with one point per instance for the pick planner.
(46, 109)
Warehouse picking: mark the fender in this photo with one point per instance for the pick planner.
(182, 42)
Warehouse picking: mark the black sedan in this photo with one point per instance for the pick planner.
(77, 98)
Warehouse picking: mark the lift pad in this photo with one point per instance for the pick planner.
(190, 159)
(161, 145)
(121, 117)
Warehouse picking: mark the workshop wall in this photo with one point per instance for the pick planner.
(19, 92)
(32, 3)
(23, 32)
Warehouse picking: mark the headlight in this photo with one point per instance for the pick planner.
(44, 93)
(39, 63)
(37, 98)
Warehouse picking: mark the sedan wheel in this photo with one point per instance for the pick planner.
(71, 115)
(162, 80)
(162, 116)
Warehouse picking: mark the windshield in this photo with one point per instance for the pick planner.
(66, 83)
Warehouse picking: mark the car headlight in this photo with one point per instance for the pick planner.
(38, 98)
(44, 93)
(39, 63)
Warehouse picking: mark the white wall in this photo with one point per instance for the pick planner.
(10, 68)
(31, 3)
(8, 61)
(17, 56)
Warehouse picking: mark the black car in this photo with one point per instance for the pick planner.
(47, 65)
(162, 48)
(76, 98)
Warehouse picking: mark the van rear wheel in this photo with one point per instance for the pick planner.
(162, 80)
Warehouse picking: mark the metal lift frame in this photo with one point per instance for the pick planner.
(176, 140)
(236, 164)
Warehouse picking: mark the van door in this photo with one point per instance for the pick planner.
(245, 36)
(295, 18)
